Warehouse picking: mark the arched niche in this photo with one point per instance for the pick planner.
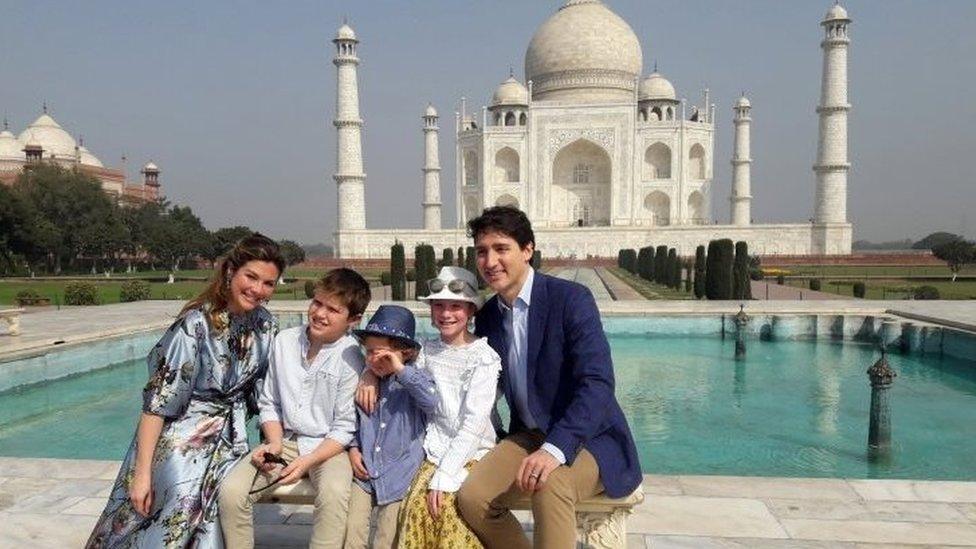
(658, 205)
(470, 167)
(471, 208)
(507, 169)
(581, 185)
(696, 208)
(696, 161)
(657, 162)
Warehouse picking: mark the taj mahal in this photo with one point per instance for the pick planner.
(599, 156)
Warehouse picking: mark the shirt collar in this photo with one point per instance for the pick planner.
(525, 294)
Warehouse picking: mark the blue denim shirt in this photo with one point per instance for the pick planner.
(392, 438)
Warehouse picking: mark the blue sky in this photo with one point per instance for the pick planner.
(234, 101)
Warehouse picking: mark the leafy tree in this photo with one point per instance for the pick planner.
(292, 252)
(956, 254)
(224, 238)
(177, 236)
(935, 239)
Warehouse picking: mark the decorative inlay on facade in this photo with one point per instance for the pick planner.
(584, 78)
(601, 136)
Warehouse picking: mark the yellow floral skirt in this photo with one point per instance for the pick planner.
(419, 530)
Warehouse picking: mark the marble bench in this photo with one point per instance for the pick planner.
(601, 521)
(12, 318)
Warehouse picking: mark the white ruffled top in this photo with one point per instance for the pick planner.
(461, 430)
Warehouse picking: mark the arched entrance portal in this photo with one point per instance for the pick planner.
(581, 183)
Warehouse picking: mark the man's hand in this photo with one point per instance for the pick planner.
(435, 499)
(367, 392)
(297, 469)
(257, 456)
(535, 469)
(386, 362)
(358, 467)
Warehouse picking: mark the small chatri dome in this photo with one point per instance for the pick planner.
(655, 86)
(510, 92)
(345, 32)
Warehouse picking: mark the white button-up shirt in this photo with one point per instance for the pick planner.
(516, 326)
(313, 400)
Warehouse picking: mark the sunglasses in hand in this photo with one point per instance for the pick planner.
(268, 457)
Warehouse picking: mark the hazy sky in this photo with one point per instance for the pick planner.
(234, 100)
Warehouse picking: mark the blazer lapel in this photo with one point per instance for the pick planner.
(538, 311)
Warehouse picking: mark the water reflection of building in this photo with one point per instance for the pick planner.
(44, 140)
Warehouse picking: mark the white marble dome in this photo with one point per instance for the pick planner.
(88, 159)
(10, 147)
(510, 92)
(836, 12)
(655, 86)
(584, 52)
(51, 137)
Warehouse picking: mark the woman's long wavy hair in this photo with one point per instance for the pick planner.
(216, 295)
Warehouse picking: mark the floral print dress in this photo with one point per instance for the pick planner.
(203, 382)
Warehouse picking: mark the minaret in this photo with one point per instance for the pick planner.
(349, 177)
(741, 164)
(832, 165)
(432, 172)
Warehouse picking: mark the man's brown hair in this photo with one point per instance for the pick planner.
(349, 286)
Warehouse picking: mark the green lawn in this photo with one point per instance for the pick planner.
(894, 271)
(650, 290)
(893, 288)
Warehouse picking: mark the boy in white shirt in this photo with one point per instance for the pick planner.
(308, 416)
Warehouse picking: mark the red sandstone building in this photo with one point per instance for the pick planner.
(46, 141)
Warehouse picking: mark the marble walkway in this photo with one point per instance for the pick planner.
(46, 503)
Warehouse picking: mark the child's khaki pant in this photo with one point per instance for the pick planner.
(357, 527)
(332, 480)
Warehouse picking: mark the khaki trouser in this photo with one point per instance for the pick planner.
(357, 527)
(490, 489)
(331, 479)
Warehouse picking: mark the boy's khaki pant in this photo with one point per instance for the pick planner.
(357, 527)
(331, 479)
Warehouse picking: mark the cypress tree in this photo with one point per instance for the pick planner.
(471, 264)
(398, 273)
(644, 261)
(688, 271)
(460, 256)
(699, 284)
(447, 259)
(536, 259)
(741, 287)
(718, 269)
(420, 271)
(630, 261)
(661, 273)
(621, 255)
(674, 270)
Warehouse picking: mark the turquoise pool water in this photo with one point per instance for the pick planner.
(792, 408)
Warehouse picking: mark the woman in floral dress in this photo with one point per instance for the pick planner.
(203, 377)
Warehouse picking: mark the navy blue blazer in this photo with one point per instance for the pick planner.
(570, 379)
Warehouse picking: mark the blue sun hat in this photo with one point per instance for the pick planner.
(391, 321)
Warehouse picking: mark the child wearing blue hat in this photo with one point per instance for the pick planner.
(388, 447)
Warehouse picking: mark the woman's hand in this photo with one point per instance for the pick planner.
(367, 392)
(257, 456)
(358, 467)
(140, 493)
(435, 499)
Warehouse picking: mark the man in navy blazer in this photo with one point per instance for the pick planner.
(568, 438)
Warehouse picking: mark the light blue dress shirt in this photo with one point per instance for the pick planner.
(517, 372)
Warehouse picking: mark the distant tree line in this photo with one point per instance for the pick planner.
(55, 220)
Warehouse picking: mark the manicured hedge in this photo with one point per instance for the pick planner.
(398, 273)
(699, 283)
(80, 293)
(741, 288)
(718, 269)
